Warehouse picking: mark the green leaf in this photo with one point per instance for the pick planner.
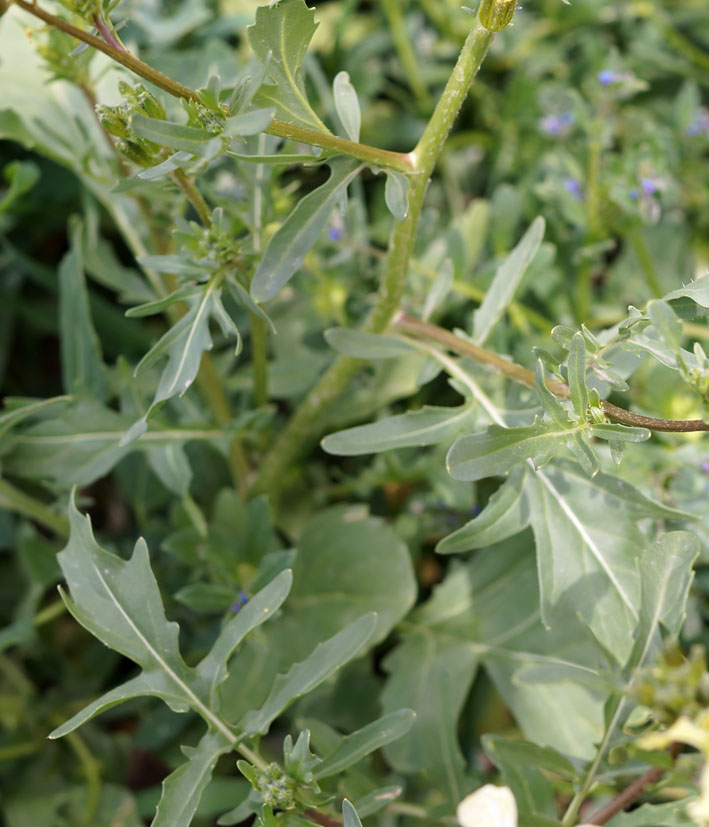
(697, 291)
(212, 670)
(280, 37)
(586, 565)
(183, 788)
(82, 363)
(185, 293)
(396, 194)
(666, 575)
(525, 752)
(507, 279)
(326, 659)
(349, 815)
(498, 450)
(250, 123)
(378, 799)
(83, 443)
(183, 345)
(18, 409)
(347, 105)
(190, 139)
(532, 790)
(364, 345)
(553, 407)
(289, 245)
(21, 177)
(672, 814)
(356, 746)
(578, 443)
(577, 376)
(439, 289)
(667, 324)
(506, 514)
(621, 433)
(428, 426)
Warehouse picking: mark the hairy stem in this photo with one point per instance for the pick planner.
(417, 328)
(303, 427)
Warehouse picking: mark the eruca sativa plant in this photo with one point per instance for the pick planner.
(353, 459)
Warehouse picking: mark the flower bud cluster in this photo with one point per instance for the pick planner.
(276, 787)
(675, 686)
(116, 121)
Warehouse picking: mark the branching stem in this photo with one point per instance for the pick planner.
(401, 162)
(417, 328)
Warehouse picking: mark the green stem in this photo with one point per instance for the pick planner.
(583, 286)
(13, 499)
(303, 427)
(647, 265)
(405, 50)
(92, 774)
(380, 157)
(49, 613)
(259, 360)
(193, 195)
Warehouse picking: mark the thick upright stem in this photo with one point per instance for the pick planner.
(303, 428)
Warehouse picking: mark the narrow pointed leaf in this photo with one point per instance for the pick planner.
(584, 454)
(506, 281)
(506, 514)
(177, 136)
(349, 814)
(428, 426)
(577, 375)
(292, 241)
(327, 658)
(356, 746)
(553, 407)
(620, 433)
(250, 123)
(212, 670)
(364, 345)
(82, 361)
(439, 289)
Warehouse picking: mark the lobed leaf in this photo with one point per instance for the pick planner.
(498, 450)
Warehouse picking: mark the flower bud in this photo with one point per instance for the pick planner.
(496, 14)
(112, 121)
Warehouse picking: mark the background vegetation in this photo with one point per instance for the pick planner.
(593, 116)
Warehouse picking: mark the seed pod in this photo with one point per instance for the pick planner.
(496, 14)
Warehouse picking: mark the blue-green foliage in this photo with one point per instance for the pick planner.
(204, 273)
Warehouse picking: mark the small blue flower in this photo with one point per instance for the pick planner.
(335, 234)
(633, 194)
(606, 77)
(649, 186)
(704, 467)
(700, 124)
(573, 186)
(240, 601)
(475, 510)
(557, 124)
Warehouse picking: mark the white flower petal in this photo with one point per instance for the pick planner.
(489, 806)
